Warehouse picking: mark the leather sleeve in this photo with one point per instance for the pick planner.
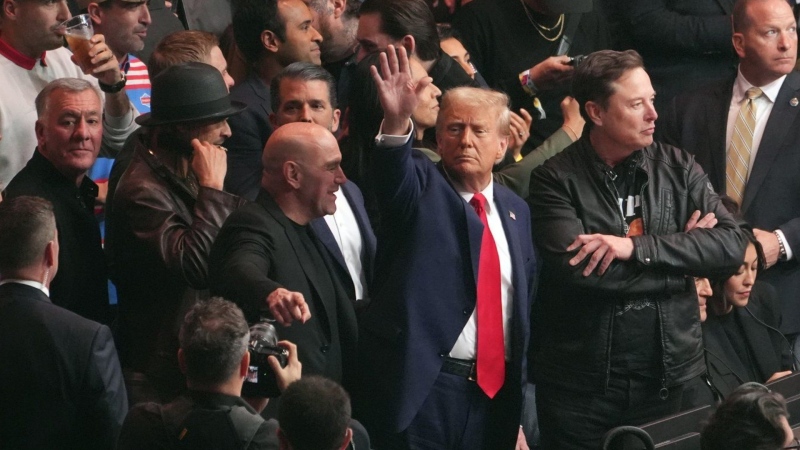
(556, 224)
(183, 246)
(711, 253)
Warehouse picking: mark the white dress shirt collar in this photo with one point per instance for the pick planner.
(31, 283)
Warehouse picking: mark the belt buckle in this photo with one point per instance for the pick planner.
(473, 373)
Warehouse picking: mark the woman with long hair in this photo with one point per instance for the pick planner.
(742, 338)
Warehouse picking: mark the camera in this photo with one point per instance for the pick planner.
(576, 61)
(261, 380)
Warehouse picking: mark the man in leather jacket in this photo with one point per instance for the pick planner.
(168, 208)
(617, 218)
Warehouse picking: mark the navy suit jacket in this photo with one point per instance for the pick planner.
(250, 130)
(425, 285)
(60, 381)
(356, 200)
(697, 122)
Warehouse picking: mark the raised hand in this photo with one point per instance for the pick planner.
(520, 131)
(396, 90)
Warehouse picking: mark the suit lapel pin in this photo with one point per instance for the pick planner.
(794, 101)
(512, 215)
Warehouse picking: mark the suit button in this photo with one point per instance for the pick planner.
(647, 260)
(467, 311)
(441, 355)
(324, 348)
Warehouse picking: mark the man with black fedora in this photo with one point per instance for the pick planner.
(168, 209)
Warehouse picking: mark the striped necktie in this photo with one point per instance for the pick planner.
(741, 146)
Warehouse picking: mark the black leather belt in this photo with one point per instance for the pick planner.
(461, 367)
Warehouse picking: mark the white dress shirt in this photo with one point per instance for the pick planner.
(763, 105)
(31, 283)
(344, 227)
(466, 345)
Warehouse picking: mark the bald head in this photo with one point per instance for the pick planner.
(302, 170)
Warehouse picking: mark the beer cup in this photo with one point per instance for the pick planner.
(78, 30)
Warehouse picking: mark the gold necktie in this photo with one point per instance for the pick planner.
(741, 146)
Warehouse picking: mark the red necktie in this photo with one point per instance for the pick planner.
(491, 348)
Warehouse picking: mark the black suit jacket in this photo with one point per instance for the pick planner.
(250, 130)
(60, 381)
(81, 284)
(259, 250)
(697, 122)
(684, 43)
(769, 350)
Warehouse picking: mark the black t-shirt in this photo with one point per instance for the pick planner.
(502, 42)
(635, 344)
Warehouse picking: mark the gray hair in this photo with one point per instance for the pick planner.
(214, 336)
(73, 85)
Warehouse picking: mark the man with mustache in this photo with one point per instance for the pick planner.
(168, 209)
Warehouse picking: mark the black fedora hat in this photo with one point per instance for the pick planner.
(188, 93)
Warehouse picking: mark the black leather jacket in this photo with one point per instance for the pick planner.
(572, 318)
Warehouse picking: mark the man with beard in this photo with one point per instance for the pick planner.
(168, 208)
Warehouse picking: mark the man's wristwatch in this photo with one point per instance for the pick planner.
(113, 88)
(782, 255)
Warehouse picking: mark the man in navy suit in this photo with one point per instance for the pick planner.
(305, 92)
(703, 123)
(60, 382)
(433, 375)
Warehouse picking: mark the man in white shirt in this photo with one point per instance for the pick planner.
(442, 346)
(305, 92)
(764, 178)
(32, 55)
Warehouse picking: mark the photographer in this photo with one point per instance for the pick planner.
(213, 355)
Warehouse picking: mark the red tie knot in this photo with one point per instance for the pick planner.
(478, 201)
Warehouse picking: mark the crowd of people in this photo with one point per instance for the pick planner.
(479, 234)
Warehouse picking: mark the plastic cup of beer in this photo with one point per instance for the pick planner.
(78, 30)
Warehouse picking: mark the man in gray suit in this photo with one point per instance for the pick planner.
(744, 133)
